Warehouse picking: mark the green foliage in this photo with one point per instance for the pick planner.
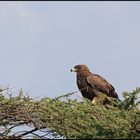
(69, 118)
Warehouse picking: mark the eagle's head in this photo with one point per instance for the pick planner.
(80, 69)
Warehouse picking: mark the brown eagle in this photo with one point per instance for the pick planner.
(92, 85)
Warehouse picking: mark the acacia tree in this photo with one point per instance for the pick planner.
(63, 117)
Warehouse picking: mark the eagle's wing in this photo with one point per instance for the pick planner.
(100, 84)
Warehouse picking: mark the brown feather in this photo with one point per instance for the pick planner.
(101, 85)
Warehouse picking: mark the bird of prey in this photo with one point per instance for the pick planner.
(93, 85)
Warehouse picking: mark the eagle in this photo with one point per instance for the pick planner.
(93, 85)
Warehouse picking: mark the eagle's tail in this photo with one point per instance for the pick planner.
(116, 95)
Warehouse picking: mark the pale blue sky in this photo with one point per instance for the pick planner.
(41, 41)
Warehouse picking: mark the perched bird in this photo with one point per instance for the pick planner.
(92, 85)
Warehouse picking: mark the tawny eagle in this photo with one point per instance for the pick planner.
(92, 85)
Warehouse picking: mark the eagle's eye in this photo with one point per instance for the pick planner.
(78, 67)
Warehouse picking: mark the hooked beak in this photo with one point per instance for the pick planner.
(73, 70)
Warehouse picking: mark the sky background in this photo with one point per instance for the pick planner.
(41, 41)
